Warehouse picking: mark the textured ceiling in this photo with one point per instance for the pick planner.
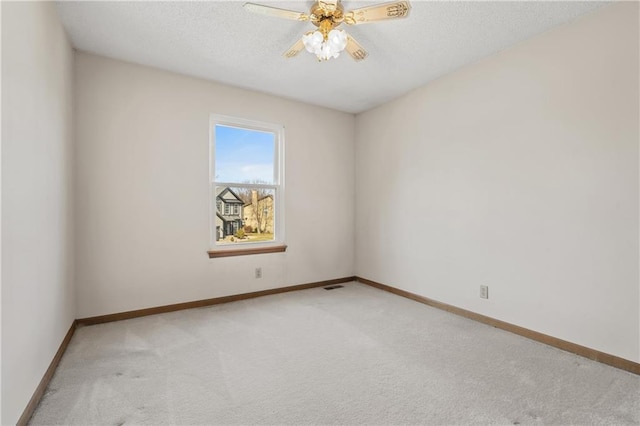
(222, 42)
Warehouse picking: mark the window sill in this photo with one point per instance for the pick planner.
(246, 252)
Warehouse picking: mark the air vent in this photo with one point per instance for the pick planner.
(333, 287)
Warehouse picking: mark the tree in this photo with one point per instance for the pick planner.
(258, 204)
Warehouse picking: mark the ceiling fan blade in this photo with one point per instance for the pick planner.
(381, 12)
(294, 50)
(274, 11)
(356, 51)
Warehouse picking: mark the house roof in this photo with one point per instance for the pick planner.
(220, 191)
(229, 218)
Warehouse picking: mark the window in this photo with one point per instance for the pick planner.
(246, 162)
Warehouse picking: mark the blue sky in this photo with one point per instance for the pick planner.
(243, 155)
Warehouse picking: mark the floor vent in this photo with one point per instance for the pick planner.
(333, 287)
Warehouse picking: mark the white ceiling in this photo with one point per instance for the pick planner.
(222, 42)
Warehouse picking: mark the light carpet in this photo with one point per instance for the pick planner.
(355, 355)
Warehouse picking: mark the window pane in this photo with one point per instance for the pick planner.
(244, 155)
(244, 215)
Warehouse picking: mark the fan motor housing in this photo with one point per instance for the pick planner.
(320, 13)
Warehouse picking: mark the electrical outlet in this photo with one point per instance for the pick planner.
(258, 272)
(484, 292)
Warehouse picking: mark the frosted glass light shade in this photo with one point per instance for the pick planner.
(337, 40)
(325, 49)
(313, 41)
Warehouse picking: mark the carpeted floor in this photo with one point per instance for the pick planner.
(355, 355)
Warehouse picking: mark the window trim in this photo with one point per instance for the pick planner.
(278, 187)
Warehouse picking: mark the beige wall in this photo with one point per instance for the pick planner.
(522, 174)
(38, 303)
(143, 191)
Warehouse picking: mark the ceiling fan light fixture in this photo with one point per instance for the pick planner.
(325, 48)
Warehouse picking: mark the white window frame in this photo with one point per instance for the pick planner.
(277, 186)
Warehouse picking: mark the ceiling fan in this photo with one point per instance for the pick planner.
(327, 42)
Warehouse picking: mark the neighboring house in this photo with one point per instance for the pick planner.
(228, 213)
(259, 213)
